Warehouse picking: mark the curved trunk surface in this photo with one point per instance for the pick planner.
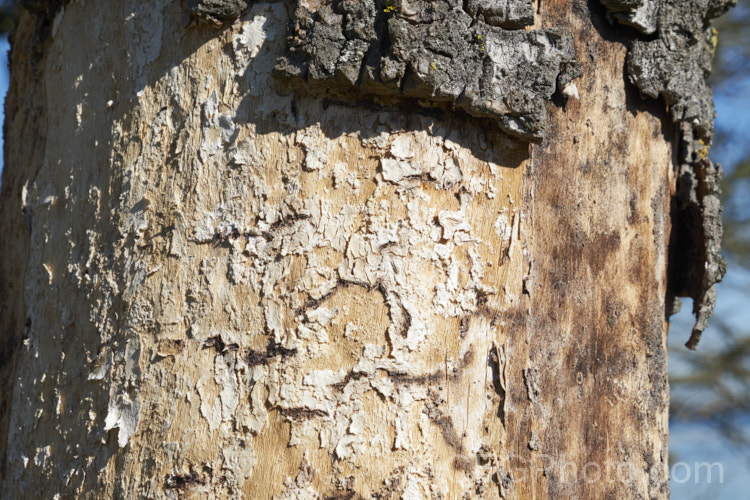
(221, 281)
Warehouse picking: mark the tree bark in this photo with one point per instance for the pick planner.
(221, 280)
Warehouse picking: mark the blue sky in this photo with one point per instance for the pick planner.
(3, 86)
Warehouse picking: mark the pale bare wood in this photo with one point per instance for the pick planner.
(237, 293)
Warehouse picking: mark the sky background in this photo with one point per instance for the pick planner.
(694, 441)
(3, 88)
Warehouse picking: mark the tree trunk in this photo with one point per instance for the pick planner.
(440, 274)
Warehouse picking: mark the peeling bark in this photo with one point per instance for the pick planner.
(221, 279)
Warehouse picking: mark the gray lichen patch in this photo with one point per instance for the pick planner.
(675, 66)
(435, 54)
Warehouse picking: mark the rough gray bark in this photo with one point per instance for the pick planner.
(272, 251)
(434, 52)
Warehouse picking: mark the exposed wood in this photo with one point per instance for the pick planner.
(235, 290)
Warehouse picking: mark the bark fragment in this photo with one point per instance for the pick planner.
(640, 14)
(217, 12)
(434, 54)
